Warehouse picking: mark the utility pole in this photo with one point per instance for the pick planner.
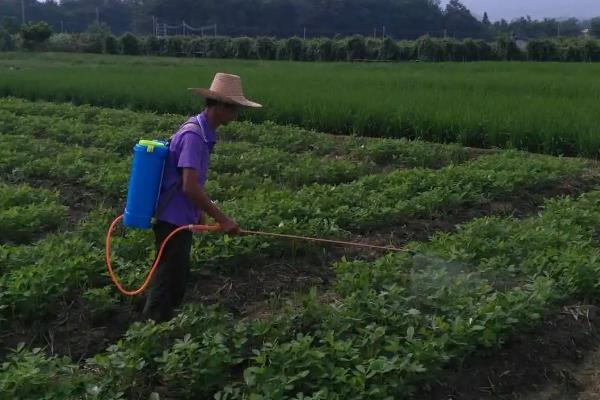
(215, 30)
(383, 30)
(23, 12)
(304, 33)
(154, 25)
(374, 33)
(62, 28)
(97, 16)
(558, 29)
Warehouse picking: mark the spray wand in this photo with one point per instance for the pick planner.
(217, 228)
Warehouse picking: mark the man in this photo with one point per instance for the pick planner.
(182, 199)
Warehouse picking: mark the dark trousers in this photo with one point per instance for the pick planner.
(166, 290)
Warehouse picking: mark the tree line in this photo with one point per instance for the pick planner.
(98, 39)
(398, 19)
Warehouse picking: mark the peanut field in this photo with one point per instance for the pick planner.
(504, 242)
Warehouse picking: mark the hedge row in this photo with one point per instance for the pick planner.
(322, 49)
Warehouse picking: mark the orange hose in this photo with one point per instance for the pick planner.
(158, 256)
(214, 228)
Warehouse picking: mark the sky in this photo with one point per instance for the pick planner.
(537, 9)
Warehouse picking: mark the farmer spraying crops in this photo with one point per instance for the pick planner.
(182, 199)
(166, 193)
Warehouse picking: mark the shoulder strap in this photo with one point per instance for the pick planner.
(168, 197)
(171, 192)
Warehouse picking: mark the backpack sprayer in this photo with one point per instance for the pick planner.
(149, 157)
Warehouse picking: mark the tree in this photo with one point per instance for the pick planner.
(6, 41)
(111, 45)
(570, 28)
(10, 25)
(130, 44)
(486, 19)
(34, 34)
(595, 27)
(459, 21)
(95, 37)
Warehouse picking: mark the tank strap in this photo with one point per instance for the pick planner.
(168, 196)
(173, 189)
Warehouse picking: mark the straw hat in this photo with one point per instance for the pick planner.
(227, 89)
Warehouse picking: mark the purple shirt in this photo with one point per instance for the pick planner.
(190, 147)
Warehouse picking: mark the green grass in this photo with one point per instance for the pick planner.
(546, 107)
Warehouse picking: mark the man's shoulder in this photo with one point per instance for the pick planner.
(189, 132)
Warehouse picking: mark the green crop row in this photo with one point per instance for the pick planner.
(24, 158)
(118, 130)
(387, 199)
(26, 212)
(30, 287)
(546, 107)
(392, 326)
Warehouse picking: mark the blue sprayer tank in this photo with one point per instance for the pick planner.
(147, 168)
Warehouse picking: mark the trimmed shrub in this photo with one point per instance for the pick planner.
(63, 42)
(35, 34)
(266, 48)
(6, 41)
(111, 45)
(218, 47)
(130, 44)
(356, 48)
(243, 47)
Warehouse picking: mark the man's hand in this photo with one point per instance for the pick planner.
(229, 226)
(197, 194)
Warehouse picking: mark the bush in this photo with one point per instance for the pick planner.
(429, 49)
(63, 42)
(35, 34)
(484, 50)
(174, 46)
(592, 50)
(282, 50)
(151, 46)
(243, 47)
(542, 50)
(218, 47)
(356, 48)
(94, 38)
(470, 50)
(192, 46)
(407, 50)
(326, 50)
(6, 41)
(339, 50)
(389, 50)
(311, 50)
(10, 24)
(266, 48)
(111, 45)
(507, 50)
(130, 44)
(573, 52)
(294, 48)
(373, 48)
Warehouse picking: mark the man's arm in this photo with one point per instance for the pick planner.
(197, 194)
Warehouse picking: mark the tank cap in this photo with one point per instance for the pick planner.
(151, 144)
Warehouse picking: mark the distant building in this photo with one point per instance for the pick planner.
(586, 32)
